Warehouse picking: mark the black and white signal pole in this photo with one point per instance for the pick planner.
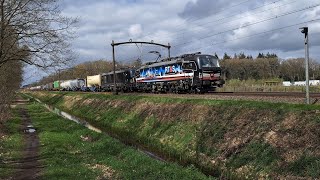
(115, 92)
(306, 44)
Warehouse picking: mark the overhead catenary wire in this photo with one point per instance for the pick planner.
(244, 12)
(261, 33)
(260, 12)
(266, 32)
(124, 57)
(250, 24)
(222, 10)
(196, 19)
(277, 16)
(181, 30)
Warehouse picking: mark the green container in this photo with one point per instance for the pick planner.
(56, 85)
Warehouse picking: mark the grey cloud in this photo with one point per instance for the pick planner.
(103, 21)
(205, 8)
(107, 21)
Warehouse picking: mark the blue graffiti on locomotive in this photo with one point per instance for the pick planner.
(161, 71)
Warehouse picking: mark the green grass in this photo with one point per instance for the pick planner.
(258, 156)
(69, 157)
(305, 165)
(257, 153)
(252, 85)
(199, 142)
(57, 100)
(10, 145)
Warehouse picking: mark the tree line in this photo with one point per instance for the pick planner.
(32, 32)
(87, 69)
(267, 66)
(241, 66)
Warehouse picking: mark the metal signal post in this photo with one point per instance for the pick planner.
(306, 43)
(114, 70)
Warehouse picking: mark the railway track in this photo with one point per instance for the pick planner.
(275, 97)
(268, 94)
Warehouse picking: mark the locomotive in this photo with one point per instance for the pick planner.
(188, 73)
(125, 81)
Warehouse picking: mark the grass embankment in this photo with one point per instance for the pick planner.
(11, 145)
(226, 138)
(71, 151)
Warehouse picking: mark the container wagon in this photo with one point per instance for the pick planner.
(56, 85)
(94, 82)
(125, 80)
(72, 85)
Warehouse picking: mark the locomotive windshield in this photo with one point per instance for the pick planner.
(208, 61)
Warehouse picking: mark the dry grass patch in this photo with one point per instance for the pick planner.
(107, 172)
(70, 101)
(246, 126)
(172, 112)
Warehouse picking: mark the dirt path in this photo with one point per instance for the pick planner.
(28, 167)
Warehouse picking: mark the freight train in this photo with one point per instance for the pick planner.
(189, 73)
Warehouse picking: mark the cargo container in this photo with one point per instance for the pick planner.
(94, 82)
(48, 87)
(72, 85)
(56, 85)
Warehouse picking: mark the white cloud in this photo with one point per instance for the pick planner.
(194, 25)
(135, 30)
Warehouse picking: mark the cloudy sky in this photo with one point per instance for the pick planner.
(209, 26)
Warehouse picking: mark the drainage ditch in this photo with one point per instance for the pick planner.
(85, 123)
(131, 143)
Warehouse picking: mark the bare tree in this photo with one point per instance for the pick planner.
(37, 29)
(293, 69)
(33, 32)
(10, 80)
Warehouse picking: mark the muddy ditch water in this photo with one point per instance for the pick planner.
(30, 129)
(85, 123)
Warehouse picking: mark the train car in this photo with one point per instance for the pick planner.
(56, 85)
(94, 82)
(72, 85)
(48, 87)
(187, 73)
(125, 80)
(36, 88)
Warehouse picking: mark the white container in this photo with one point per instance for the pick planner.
(286, 83)
(73, 84)
(94, 81)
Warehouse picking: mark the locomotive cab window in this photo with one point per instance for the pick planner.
(208, 61)
(189, 66)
